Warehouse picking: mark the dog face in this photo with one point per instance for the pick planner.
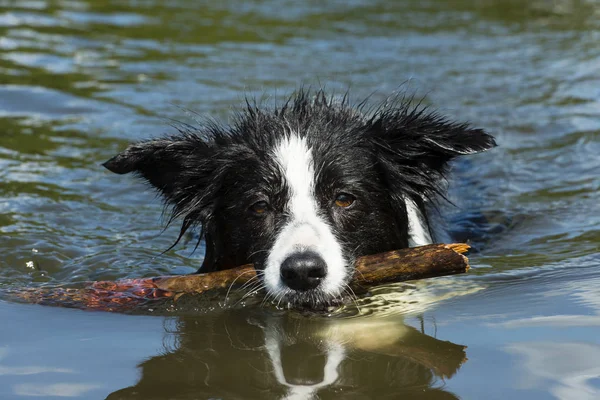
(304, 189)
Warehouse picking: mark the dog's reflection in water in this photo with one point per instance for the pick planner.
(242, 354)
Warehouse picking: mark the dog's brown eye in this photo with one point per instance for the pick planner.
(259, 207)
(344, 200)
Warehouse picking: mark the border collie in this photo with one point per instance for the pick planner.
(303, 189)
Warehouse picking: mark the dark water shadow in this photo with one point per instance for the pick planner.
(268, 354)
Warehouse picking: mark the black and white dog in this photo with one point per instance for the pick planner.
(303, 189)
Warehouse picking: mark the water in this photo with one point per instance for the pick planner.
(81, 79)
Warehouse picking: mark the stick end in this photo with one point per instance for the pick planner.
(460, 248)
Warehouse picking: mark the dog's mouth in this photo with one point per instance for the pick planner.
(313, 300)
(321, 297)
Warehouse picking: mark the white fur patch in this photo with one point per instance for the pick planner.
(306, 229)
(417, 228)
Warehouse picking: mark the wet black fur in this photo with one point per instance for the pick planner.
(210, 175)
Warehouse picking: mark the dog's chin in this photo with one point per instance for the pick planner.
(311, 300)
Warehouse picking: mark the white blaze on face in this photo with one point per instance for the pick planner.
(306, 230)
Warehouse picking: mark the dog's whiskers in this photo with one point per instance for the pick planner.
(258, 286)
(257, 252)
(281, 297)
(252, 285)
(251, 280)
(352, 295)
(266, 298)
(233, 283)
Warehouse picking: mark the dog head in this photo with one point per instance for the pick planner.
(303, 189)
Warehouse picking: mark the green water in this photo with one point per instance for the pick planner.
(81, 79)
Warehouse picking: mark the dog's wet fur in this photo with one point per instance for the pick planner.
(303, 189)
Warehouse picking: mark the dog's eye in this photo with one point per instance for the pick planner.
(259, 207)
(344, 200)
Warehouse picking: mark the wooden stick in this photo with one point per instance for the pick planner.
(394, 266)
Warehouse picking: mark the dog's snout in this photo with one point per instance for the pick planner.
(303, 271)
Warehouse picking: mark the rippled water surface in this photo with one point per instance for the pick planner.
(81, 79)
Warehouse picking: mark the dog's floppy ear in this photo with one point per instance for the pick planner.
(182, 168)
(413, 147)
(418, 138)
(169, 164)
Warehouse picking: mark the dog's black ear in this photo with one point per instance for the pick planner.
(418, 138)
(187, 170)
(413, 148)
(183, 169)
(172, 165)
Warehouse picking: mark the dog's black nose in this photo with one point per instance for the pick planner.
(303, 271)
